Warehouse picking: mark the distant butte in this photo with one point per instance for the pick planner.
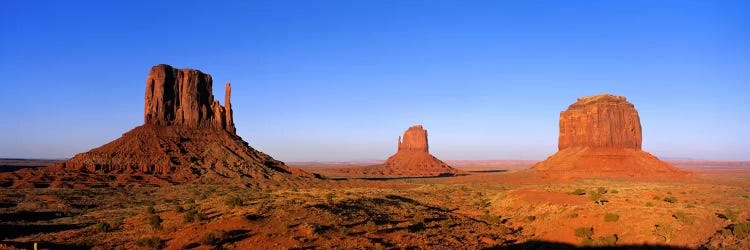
(187, 137)
(600, 136)
(413, 158)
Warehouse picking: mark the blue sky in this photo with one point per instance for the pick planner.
(341, 80)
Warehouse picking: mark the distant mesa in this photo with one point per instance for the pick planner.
(600, 136)
(187, 136)
(412, 159)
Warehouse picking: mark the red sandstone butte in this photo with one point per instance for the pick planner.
(600, 136)
(413, 157)
(187, 136)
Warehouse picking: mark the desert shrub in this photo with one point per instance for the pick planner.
(150, 210)
(491, 219)
(649, 204)
(150, 242)
(117, 223)
(669, 192)
(178, 209)
(155, 222)
(574, 215)
(481, 202)
(607, 240)
(690, 206)
(531, 218)
(656, 198)
(683, 217)
(371, 227)
(343, 231)
(610, 217)
(732, 215)
(329, 198)
(445, 224)
(601, 190)
(213, 237)
(502, 230)
(597, 197)
(233, 201)
(193, 216)
(190, 201)
(578, 192)
(670, 199)
(418, 218)
(584, 232)
(151, 203)
(614, 191)
(664, 230)
(203, 196)
(741, 230)
(102, 227)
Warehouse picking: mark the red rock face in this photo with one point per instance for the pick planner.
(600, 136)
(414, 140)
(413, 157)
(184, 97)
(600, 121)
(187, 137)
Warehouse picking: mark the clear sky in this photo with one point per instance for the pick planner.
(341, 80)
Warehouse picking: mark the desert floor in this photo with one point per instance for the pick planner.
(489, 208)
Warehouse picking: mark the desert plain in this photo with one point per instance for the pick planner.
(185, 180)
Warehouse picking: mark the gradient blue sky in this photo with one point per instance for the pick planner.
(341, 80)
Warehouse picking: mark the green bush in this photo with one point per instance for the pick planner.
(614, 191)
(608, 240)
(578, 192)
(491, 219)
(329, 198)
(601, 190)
(584, 232)
(649, 204)
(531, 218)
(371, 227)
(670, 199)
(155, 222)
(150, 210)
(597, 197)
(102, 227)
(150, 242)
(741, 229)
(418, 218)
(610, 217)
(445, 224)
(232, 201)
(732, 215)
(683, 217)
(193, 216)
(656, 198)
(190, 201)
(213, 237)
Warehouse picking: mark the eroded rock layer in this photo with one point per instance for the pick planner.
(600, 136)
(184, 97)
(187, 137)
(413, 158)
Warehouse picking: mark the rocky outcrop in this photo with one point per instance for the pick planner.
(187, 137)
(600, 121)
(414, 140)
(600, 136)
(184, 97)
(413, 158)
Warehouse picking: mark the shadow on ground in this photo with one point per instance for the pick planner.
(544, 245)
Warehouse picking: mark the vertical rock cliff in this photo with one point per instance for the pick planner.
(184, 97)
(600, 136)
(187, 136)
(413, 157)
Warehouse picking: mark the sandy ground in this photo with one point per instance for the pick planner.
(489, 208)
